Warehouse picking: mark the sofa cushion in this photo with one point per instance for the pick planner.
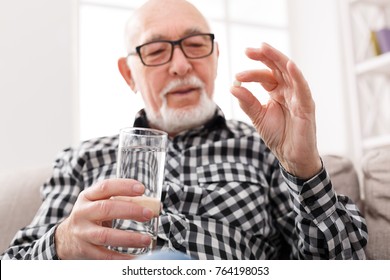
(19, 199)
(344, 177)
(376, 171)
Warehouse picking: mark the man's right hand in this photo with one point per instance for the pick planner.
(85, 234)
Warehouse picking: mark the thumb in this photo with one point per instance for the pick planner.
(248, 103)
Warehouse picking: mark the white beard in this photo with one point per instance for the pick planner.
(174, 121)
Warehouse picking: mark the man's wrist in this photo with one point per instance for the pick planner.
(304, 171)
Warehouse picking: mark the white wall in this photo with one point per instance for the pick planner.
(317, 48)
(36, 80)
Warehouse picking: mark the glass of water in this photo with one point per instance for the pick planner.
(141, 156)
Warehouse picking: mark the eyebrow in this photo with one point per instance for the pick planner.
(187, 32)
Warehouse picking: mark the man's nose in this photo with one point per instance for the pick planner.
(180, 65)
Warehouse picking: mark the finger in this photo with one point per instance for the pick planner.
(108, 209)
(152, 203)
(102, 253)
(102, 236)
(262, 76)
(113, 187)
(248, 102)
(108, 254)
(279, 71)
(270, 56)
(258, 54)
(299, 82)
(129, 239)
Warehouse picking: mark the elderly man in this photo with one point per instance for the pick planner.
(231, 191)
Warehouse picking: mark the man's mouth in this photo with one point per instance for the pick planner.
(184, 90)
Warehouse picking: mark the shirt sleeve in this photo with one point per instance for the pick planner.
(327, 226)
(36, 241)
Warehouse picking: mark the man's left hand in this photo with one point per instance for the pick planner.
(287, 122)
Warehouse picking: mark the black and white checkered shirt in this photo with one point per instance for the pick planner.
(225, 196)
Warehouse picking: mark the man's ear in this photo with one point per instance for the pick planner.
(126, 73)
(216, 49)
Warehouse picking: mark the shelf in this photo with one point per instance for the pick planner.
(377, 64)
(368, 79)
(376, 142)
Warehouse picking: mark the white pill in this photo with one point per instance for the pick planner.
(236, 83)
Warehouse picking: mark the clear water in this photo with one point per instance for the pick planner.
(146, 165)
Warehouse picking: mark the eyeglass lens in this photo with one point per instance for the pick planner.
(195, 46)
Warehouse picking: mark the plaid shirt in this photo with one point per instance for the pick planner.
(225, 196)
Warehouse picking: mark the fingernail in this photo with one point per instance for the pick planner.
(251, 49)
(145, 240)
(147, 213)
(240, 74)
(138, 188)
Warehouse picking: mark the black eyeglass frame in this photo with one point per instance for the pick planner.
(173, 44)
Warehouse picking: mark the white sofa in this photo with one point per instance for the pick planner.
(20, 197)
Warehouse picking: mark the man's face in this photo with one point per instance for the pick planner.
(160, 85)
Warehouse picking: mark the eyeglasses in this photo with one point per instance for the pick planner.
(160, 52)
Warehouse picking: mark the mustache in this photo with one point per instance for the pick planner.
(190, 81)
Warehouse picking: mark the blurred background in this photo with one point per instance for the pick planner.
(59, 82)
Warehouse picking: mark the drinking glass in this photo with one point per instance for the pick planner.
(141, 156)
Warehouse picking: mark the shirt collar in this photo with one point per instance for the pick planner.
(217, 121)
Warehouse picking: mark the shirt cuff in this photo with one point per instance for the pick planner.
(44, 248)
(314, 199)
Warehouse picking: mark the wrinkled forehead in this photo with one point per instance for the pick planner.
(171, 21)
